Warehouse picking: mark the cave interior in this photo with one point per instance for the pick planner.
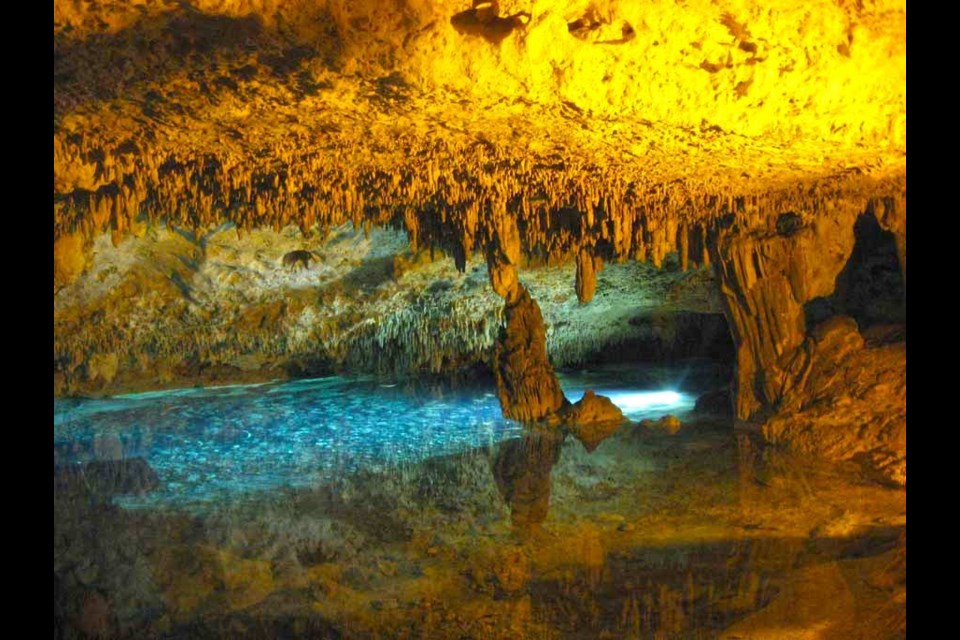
(451, 319)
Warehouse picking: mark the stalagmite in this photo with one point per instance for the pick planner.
(526, 383)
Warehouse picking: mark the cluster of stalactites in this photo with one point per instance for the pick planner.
(461, 200)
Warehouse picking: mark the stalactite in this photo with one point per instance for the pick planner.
(637, 216)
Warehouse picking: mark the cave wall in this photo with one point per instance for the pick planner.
(175, 308)
(817, 387)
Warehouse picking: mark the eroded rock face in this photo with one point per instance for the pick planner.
(68, 259)
(822, 391)
(766, 277)
(526, 383)
(850, 402)
(178, 309)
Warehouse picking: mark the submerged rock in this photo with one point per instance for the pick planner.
(106, 477)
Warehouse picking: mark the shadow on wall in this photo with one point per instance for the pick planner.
(484, 20)
(106, 66)
(870, 287)
(219, 53)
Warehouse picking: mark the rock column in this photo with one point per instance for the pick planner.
(526, 383)
(766, 276)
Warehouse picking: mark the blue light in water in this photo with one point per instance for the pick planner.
(641, 400)
(639, 405)
(213, 444)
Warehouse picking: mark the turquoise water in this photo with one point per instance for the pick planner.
(216, 444)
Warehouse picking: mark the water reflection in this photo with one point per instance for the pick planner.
(641, 534)
(522, 470)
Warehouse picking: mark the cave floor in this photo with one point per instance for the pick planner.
(700, 534)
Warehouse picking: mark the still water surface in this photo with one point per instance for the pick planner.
(346, 508)
(217, 443)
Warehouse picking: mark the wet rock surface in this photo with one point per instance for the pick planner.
(817, 388)
(668, 425)
(592, 419)
(846, 383)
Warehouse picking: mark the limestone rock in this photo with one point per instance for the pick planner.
(766, 278)
(68, 259)
(592, 408)
(592, 419)
(503, 277)
(102, 366)
(850, 402)
(526, 383)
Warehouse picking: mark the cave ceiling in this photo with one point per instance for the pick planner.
(608, 124)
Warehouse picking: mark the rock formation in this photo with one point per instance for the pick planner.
(526, 383)
(592, 419)
(587, 268)
(843, 382)
(643, 158)
(767, 276)
(551, 132)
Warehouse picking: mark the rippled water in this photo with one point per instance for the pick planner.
(212, 443)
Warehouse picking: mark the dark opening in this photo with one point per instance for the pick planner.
(870, 288)
(669, 337)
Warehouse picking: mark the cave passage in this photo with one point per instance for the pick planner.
(479, 319)
(871, 287)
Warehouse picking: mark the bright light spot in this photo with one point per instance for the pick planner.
(638, 401)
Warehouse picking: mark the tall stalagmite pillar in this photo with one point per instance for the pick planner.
(526, 383)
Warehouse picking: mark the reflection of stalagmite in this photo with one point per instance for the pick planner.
(522, 471)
